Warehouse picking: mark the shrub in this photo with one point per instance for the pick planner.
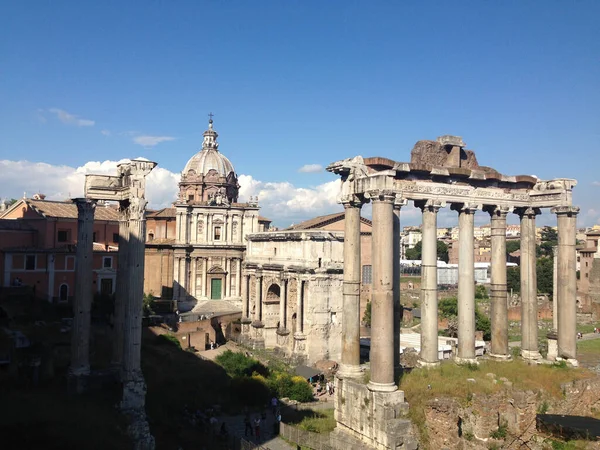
(237, 364)
(170, 340)
(252, 391)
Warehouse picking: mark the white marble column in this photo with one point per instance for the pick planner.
(567, 282)
(282, 303)
(122, 288)
(176, 280)
(205, 278)
(258, 301)
(193, 277)
(80, 334)
(350, 363)
(499, 300)
(382, 303)
(238, 278)
(299, 312)
(466, 285)
(529, 310)
(429, 285)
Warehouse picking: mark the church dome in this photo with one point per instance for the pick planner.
(209, 158)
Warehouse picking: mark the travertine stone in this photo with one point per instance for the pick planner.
(382, 303)
(350, 364)
(499, 301)
(567, 282)
(529, 314)
(466, 285)
(80, 337)
(429, 293)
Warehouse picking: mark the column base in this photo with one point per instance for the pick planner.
(427, 364)
(465, 361)
(382, 387)
(134, 394)
(350, 371)
(533, 355)
(552, 348)
(498, 357)
(570, 361)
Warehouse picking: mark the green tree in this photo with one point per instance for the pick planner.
(545, 275)
(367, 315)
(512, 245)
(416, 252)
(513, 279)
(549, 239)
(448, 308)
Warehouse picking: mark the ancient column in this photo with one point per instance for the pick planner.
(193, 277)
(555, 288)
(238, 278)
(529, 326)
(350, 362)
(429, 285)
(466, 285)
(122, 288)
(282, 304)
(499, 303)
(299, 314)
(567, 282)
(258, 302)
(80, 334)
(382, 303)
(134, 386)
(398, 308)
(205, 278)
(176, 271)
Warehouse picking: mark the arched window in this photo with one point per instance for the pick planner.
(150, 236)
(63, 292)
(273, 293)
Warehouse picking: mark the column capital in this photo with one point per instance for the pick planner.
(529, 212)
(351, 201)
(85, 205)
(430, 205)
(466, 208)
(381, 195)
(399, 202)
(500, 211)
(565, 210)
(137, 208)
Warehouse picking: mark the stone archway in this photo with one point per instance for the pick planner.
(271, 306)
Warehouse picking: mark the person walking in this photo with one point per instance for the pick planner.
(257, 427)
(247, 425)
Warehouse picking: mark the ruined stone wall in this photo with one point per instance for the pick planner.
(158, 272)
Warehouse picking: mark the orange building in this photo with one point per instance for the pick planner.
(37, 247)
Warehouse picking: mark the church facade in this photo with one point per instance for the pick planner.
(201, 239)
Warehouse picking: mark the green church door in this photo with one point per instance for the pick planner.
(215, 289)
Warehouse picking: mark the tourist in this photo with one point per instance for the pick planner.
(257, 427)
(277, 422)
(274, 404)
(247, 424)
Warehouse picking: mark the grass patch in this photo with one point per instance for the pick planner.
(319, 422)
(587, 328)
(450, 380)
(589, 346)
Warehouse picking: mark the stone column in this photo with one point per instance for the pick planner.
(122, 288)
(299, 314)
(282, 303)
(382, 303)
(350, 362)
(429, 285)
(555, 288)
(529, 315)
(193, 277)
(567, 282)
(80, 334)
(176, 281)
(258, 302)
(499, 301)
(205, 278)
(398, 308)
(238, 278)
(466, 285)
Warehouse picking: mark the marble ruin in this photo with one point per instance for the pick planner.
(282, 270)
(128, 189)
(441, 173)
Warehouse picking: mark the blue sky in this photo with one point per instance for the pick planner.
(301, 82)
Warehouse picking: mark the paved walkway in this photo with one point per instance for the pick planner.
(268, 439)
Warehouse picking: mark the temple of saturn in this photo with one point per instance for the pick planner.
(441, 173)
(128, 189)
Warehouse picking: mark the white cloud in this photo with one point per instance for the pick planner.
(63, 182)
(71, 119)
(106, 132)
(151, 141)
(311, 168)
